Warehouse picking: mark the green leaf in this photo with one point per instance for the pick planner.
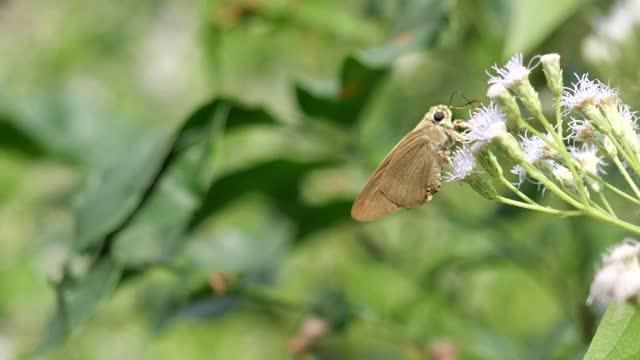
(107, 202)
(417, 28)
(343, 102)
(122, 190)
(533, 21)
(617, 335)
(77, 300)
(15, 138)
(279, 179)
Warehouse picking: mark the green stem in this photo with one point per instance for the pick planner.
(615, 221)
(539, 208)
(626, 176)
(516, 191)
(614, 189)
(551, 186)
(626, 156)
(566, 156)
(606, 204)
(632, 155)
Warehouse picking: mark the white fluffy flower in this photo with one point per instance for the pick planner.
(536, 151)
(496, 90)
(486, 123)
(521, 173)
(562, 175)
(580, 130)
(588, 158)
(586, 91)
(534, 148)
(463, 164)
(512, 72)
(618, 279)
(626, 252)
(629, 117)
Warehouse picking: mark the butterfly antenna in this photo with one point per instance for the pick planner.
(468, 102)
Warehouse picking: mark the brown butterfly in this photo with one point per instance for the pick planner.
(410, 174)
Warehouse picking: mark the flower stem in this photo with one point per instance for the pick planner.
(531, 170)
(516, 191)
(565, 155)
(626, 156)
(614, 189)
(626, 176)
(539, 208)
(606, 204)
(615, 221)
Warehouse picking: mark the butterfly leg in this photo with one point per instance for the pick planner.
(460, 137)
(459, 124)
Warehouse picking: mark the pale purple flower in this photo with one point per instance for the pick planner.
(512, 72)
(586, 91)
(486, 123)
(534, 148)
(463, 164)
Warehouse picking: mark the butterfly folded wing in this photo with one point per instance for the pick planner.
(371, 204)
(406, 178)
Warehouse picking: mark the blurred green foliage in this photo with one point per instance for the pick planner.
(176, 179)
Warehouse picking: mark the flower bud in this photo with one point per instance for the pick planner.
(509, 146)
(528, 95)
(605, 145)
(553, 73)
(489, 162)
(611, 114)
(507, 102)
(597, 119)
(482, 185)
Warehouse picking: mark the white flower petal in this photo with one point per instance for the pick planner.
(512, 72)
(486, 123)
(463, 164)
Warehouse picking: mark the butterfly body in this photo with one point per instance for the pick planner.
(411, 173)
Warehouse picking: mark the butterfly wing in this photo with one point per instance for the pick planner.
(371, 204)
(406, 178)
(413, 174)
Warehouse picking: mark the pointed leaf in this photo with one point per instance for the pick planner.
(109, 205)
(617, 335)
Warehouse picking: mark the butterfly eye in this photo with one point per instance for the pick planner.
(438, 116)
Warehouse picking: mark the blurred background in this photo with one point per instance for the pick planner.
(176, 179)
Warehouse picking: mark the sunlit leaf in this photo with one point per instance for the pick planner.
(278, 179)
(112, 201)
(617, 335)
(527, 30)
(343, 102)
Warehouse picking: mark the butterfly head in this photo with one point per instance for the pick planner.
(439, 115)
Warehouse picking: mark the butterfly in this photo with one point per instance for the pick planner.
(411, 173)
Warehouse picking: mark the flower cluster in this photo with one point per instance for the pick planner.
(618, 278)
(568, 157)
